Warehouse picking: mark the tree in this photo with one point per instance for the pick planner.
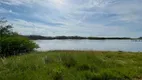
(11, 43)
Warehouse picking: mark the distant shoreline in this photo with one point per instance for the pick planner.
(39, 37)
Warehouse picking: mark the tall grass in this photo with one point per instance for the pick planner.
(72, 65)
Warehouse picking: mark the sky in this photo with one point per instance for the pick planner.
(108, 18)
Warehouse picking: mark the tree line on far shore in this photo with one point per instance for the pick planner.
(39, 37)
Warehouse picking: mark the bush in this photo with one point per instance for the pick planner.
(68, 60)
(15, 45)
(11, 43)
(57, 73)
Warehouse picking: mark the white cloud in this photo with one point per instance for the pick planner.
(5, 11)
(2, 10)
(128, 11)
(73, 13)
(17, 2)
(34, 28)
(25, 27)
(12, 2)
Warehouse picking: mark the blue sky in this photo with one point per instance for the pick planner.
(74, 17)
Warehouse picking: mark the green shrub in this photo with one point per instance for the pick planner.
(83, 67)
(11, 43)
(68, 60)
(57, 73)
(15, 45)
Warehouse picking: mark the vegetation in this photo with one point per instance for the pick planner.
(62, 65)
(72, 65)
(38, 37)
(11, 43)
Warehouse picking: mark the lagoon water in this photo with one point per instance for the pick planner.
(103, 45)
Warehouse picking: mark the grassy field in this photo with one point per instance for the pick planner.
(72, 65)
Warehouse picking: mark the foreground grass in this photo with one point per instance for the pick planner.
(72, 65)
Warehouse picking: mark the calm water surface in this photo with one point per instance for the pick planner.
(107, 45)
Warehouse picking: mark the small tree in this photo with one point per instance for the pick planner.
(11, 43)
